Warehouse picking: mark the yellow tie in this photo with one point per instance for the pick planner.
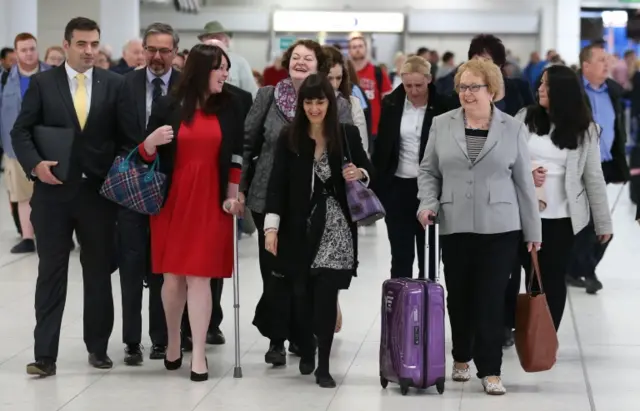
(80, 100)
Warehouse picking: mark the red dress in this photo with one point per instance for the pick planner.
(192, 235)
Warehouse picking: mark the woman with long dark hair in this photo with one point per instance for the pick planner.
(307, 222)
(192, 236)
(563, 143)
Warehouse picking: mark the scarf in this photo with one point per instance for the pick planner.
(285, 98)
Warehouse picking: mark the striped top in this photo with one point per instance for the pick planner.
(475, 142)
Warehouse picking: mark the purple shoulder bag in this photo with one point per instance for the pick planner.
(364, 205)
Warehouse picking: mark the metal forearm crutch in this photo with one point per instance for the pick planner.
(237, 369)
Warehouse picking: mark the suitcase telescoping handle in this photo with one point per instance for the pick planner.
(237, 370)
(435, 246)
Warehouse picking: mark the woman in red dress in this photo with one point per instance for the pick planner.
(192, 236)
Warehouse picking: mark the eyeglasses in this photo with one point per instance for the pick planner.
(474, 88)
(162, 51)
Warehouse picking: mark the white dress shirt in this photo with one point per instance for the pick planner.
(410, 137)
(73, 82)
(546, 154)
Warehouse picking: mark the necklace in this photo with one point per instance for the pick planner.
(482, 126)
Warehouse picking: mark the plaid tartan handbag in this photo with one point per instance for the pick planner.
(365, 207)
(134, 184)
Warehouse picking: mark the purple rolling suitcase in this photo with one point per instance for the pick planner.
(412, 351)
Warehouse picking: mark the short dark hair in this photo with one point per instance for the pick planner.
(161, 28)
(447, 56)
(323, 61)
(80, 24)
(193, 85)
(5, 51)
(629, 53)
(422, 50)
(488, 44)
(587, 51)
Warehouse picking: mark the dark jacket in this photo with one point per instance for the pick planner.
(289, 195)
(167, 111)
(387, 145)
(618, 152)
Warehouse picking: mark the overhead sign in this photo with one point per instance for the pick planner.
(286, 42)
(337, 22)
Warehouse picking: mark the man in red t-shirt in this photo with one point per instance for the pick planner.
(274, 74)
(373, 80)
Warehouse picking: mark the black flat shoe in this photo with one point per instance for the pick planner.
(216, 338)
(276, 355)
(173, 365)
(100, 361)
(133, 355)
(158, 352)
(575, 282)
(325, 380)
(592, 285)
(509, 339)
(42, 368)
(307, 365)
(195, 377)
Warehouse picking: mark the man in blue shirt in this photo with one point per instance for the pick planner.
(605, 98)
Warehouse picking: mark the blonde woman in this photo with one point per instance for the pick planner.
(407, 114)
(476, 178)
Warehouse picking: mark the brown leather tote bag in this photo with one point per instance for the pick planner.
(535, 335)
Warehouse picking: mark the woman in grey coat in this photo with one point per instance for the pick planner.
(273, 109)
(563, 143)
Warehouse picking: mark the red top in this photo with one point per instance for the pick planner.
(369, 85)
(272, 75)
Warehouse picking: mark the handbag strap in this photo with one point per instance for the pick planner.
(346, 143)
(535, 268)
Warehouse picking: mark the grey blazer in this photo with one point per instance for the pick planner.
(493, 195)
(584, 183)
(262, 128)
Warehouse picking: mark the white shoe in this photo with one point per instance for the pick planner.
(461, 374)
(493, 388)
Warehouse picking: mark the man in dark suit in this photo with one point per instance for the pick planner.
(214, 334)
(94, 104)
(160, 44)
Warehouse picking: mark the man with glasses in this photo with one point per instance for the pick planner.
(160, 45)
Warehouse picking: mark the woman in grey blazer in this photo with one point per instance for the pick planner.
(563, 142)
(273, 109)
(476, 178)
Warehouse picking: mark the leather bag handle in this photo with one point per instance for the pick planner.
(535, 268)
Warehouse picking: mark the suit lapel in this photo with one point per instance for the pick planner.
(141, 97)
(64, 89)
(457, 129)
(97, 96)
(495, 133)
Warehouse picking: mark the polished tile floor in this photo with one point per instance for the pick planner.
(596, 369)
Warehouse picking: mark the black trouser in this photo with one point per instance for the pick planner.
(587, 250)
(513, 287)
(476, 272)
(135, 269)
(54, 219)
(405, 231)
(318, 317)
(553, 257)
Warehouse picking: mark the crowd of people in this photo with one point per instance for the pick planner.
(503, 165)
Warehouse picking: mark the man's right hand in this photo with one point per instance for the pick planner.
(44, 174)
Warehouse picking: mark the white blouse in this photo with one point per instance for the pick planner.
(410, 137)
(546, 154)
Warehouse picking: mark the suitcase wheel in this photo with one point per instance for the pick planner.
(404, 388)
(440, 385)
(384, 382)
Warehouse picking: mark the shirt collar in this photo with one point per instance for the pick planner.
(409, 105)
(165, 77)
(604, 87)
(71, 73)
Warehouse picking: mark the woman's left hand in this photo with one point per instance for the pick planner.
(234, 207)
(530, 246)
(604, 238)
(352, 173)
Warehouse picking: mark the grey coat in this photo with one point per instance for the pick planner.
(262, 129)
(584, 183)
(493, 195)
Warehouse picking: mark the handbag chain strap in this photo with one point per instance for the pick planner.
(535, 268)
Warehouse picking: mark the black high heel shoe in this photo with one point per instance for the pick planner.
(173, 365)
(200, 377)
